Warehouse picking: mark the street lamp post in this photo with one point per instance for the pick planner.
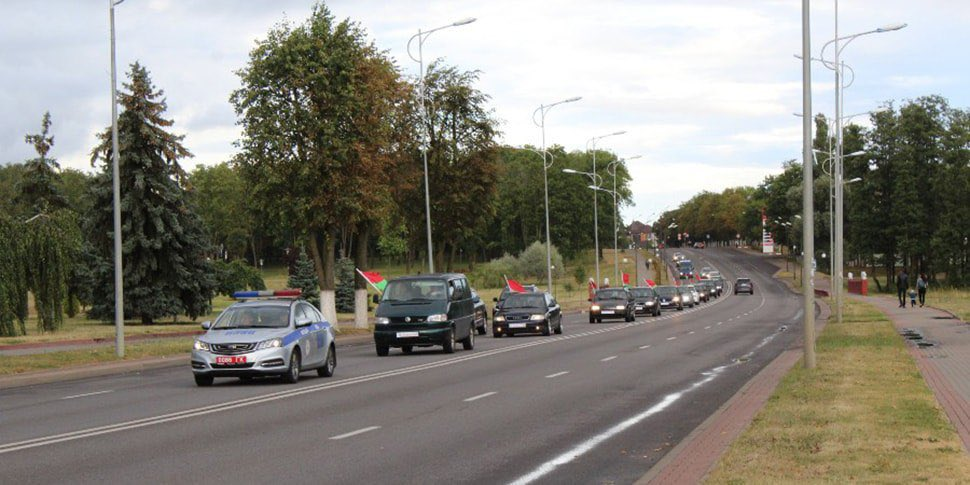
(596, 232)
(611, 169)
(421, 36)
(541, 123)
(837, 67)
(116, 194)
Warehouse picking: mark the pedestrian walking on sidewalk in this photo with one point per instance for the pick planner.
(921, 283)
(902, 283)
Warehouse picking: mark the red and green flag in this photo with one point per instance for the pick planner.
(374, 279)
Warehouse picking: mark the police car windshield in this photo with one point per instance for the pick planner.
(269, 316)
(415, 290)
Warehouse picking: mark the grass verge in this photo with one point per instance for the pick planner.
(17, 364)
(955, 301)
(864, 414)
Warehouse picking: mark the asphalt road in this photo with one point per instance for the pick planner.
(600, 404)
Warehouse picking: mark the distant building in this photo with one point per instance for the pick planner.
(641, 234)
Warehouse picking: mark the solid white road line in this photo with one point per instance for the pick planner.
(355, 433)
(557, 374)
(475, 398)
(87, 394)
(607, 359)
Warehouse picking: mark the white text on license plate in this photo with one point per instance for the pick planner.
(516, 325)
(231, 360)
(408, 334)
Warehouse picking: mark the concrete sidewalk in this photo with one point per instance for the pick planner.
(942, 355)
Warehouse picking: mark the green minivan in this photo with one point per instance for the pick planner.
(424, 311)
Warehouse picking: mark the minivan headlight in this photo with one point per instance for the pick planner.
(440, 317)
(200, 345)
(270, 344)
(382, 321)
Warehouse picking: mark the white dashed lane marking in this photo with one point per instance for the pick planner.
(642, 347)
(557, 374)
(475, 398)
(87, 394)
(607, 359)
(671, 338)
(355, 433)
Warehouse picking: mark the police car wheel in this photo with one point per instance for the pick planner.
(449, 345)
(293, 371)
(383, 350)
(203, 381)
(469, 343)
(330, 365)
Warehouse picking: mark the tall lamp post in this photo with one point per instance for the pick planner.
(611, 169)
(421, 36)
(837, 67)
(116, 194)
(541, 123)
(596, 234)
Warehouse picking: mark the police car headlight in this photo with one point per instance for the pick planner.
(537, 317)
(382, 321)
(200, 345)
(499, 318)
(441, 317)
(270, 344)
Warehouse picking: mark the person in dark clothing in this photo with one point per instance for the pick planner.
(921, 284)
(902, 282)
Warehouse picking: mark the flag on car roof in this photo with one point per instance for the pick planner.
(374, 279)
(626, 279)
(514, 286)
(649, 282)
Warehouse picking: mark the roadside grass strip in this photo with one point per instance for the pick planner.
(863, 414)
(954, 301)
(16, 364)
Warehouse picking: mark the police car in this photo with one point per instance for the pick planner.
(266, 333)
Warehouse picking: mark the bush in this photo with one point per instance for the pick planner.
(579, 274)
(235, 276)
(532, 261)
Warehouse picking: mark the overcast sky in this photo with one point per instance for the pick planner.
(704, 89)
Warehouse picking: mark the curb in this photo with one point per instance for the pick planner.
(124, 367)
(697, 454)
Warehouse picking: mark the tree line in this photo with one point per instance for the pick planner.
(907, 195)
(328, 168)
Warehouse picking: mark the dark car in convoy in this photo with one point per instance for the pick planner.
(528, 313)
(425, 310)
(718, 284)
(698, 293)
(669, 297)
(500, 299)
(612, 303)
(481, 313)
(685, 269)
(743, 285)
(645, 301)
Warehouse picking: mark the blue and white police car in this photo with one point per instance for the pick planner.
(266, 333)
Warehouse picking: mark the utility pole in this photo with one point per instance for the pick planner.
(808, 229)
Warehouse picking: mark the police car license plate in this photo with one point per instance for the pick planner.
(231, 360)
(408, 334)
(516, 325)
(607, 312)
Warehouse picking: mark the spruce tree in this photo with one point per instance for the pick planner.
(166, 272)
(344, 293)
(13, 278)
(304, 277)
(38, 188)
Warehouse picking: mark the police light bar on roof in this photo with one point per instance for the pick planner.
(289, 292)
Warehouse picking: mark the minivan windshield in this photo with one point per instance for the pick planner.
(524, 300)
(268, 316)
(415, 290)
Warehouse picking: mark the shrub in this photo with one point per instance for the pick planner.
(532, 261)
(304, 277)
(236, 275)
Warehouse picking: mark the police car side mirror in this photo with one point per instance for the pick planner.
(303, 322)
(206, 325)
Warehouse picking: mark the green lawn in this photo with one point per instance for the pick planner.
(864, 414)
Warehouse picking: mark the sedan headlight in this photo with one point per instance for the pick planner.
(594, 308)
(441, 317)
(382, 321)
(676, 298)
(499, 318)
(270, 344)
(537, 317)
(200, 345)
(621, 307)
(649, 303)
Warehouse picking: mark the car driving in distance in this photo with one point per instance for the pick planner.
(685, 269)
(718, 283)
(612, 303)
(424, 311)
(743, 285)
(669, 297)
(266, 333)
(536, 312)
(500, 299)
(645, 301)
(699, 296)
(687, 297)
(709, 287)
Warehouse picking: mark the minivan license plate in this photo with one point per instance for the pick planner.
(408, 334)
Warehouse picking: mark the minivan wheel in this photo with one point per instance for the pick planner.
(449, 345)
(407, 349)
(483, 329)
(469, 342)
(383, 350)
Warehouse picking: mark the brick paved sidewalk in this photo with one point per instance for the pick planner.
(946, 365)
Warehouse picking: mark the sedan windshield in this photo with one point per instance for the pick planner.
(268, 316)
(666, 291)
(611, 295)
(523, 300)
(642, 292)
